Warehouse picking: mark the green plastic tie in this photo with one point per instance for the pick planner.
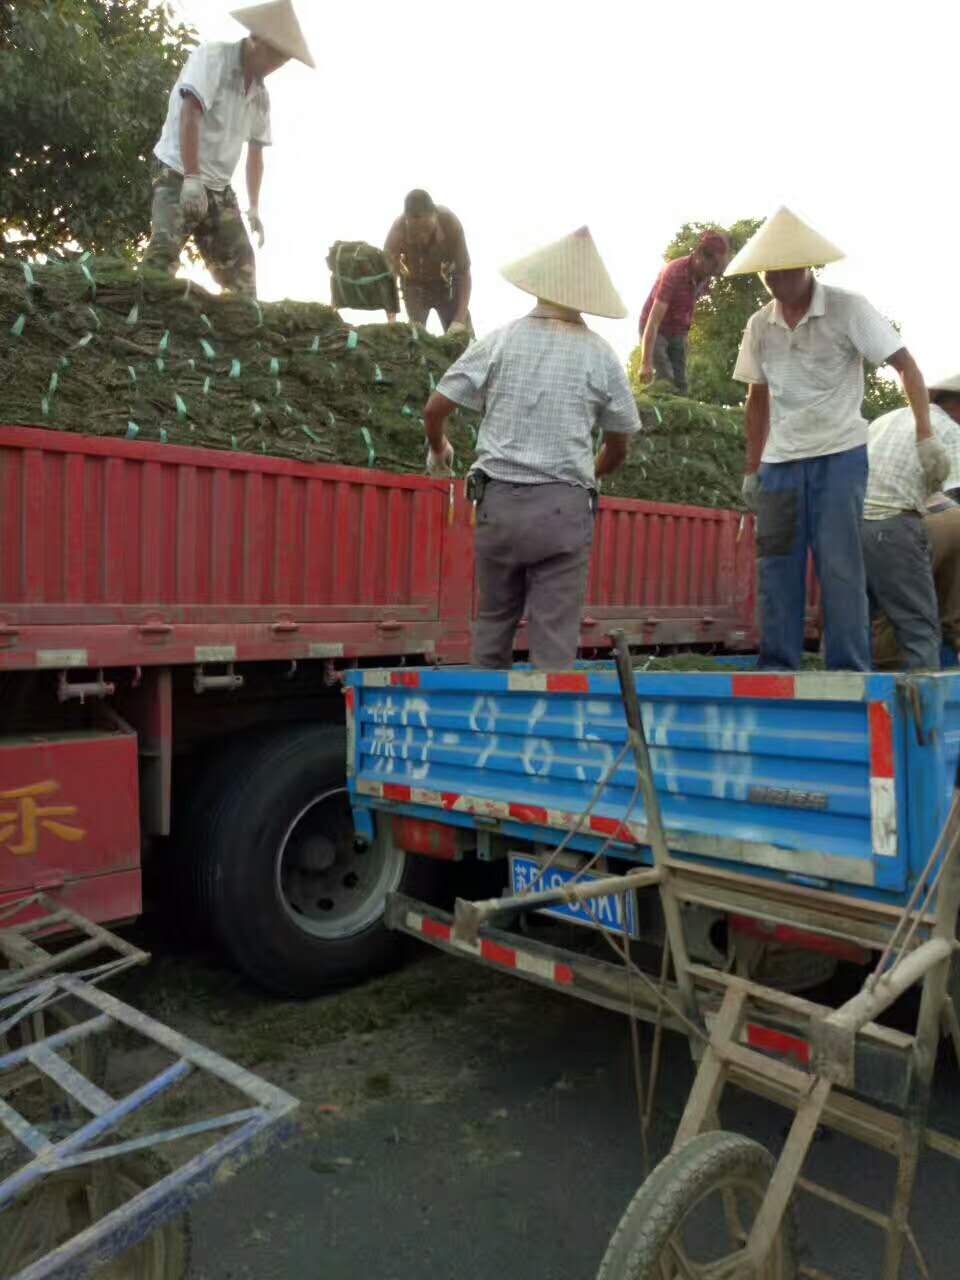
(257, 308)
(377, 375)
(132, 372)
(288, 409)
(407, 411)
(256, 409)
(163, 435)
(89, 276)
(274, 366)
(45, 407)
(186, 292)
(206, 385)
(84, 341)
(208, 351)
(277, 387)
(433, 385)
(206, 322)
(331, 419)
(96, 319)
(86, 256)
(19, 324)
(159, 363)
(473, 432)
(28, 274)
(181, 405)
(134, 314)
(233, 442)
(371, 451)
(311, 434)
(315, 344)
(64, 362)
(54, 383)
(235, 367)
(192, 365)
(352, 339)
(132, 431)
(658, 413)
(164, 343)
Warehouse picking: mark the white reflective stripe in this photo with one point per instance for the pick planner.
(527, 682)
(215, 653)
(376, 679)
(535, 965)
(367, 788)
(432, 798)
(62, 658)
(883, 817)
(326, 651)
(830, 686)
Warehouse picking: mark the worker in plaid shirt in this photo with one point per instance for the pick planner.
(546, 386)
(912, 554)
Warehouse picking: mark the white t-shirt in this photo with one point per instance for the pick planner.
(815, 371)
(213, 74)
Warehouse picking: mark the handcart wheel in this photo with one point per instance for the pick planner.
(64, 1204)
(691, 1218)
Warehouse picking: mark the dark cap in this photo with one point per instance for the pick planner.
(418, 204)
(716, 244)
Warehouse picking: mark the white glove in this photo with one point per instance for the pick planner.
(256, 226)
(750, 492)
(193, 198)
(440, 465)
(934, 463)
(457, 327)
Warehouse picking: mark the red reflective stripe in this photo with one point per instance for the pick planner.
(763, 687)
(528, 813)
(609, 827)
(564, 975)
(393, 792)
(350, 697)
(778, 1042)
(498, 955)
(434, 929)
(568, 683)
(411, 679)
(449, 799)
(881, 741)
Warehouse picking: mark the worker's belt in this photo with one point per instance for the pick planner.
(477, 482)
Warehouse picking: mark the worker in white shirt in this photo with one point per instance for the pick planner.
(806, 464)
(911, 540)
(218, 103)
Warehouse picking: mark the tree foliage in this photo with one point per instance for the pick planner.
(83, 92)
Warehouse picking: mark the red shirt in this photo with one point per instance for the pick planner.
(676, 288)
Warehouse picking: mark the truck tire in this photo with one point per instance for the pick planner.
(294, 900)
(705, 1170)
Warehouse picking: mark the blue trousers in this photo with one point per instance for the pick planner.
(814, 504)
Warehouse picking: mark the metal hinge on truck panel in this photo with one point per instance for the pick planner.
(229, 681)
(68, 690)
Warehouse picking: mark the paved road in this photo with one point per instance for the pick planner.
(488, 1129)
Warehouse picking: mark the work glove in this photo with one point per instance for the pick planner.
(934, 463)
(256, 226)
(750, 492)
(440, 465)
(457, 327)
(193, 198)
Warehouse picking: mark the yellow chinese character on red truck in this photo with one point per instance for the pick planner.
(21, 817)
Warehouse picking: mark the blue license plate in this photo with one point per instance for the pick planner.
(616, 912)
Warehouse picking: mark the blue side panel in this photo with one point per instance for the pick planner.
(784, 785)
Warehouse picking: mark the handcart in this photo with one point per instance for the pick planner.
(719, 1207)
(83, 1186)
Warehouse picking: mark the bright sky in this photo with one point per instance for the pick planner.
(530, 118)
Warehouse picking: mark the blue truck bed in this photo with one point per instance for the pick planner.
(834, 781)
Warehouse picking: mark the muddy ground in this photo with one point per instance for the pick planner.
(460, 1124)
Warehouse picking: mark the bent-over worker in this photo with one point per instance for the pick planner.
(544, 384)
(668, 311)
(931, 617)
(218, 103)
(806, 465)
(427, 250)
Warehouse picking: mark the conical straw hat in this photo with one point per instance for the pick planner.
(952, 383)
(277, 24)
(569, 273)
(782, 242)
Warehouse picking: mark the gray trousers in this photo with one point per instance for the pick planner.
(897, 559)
(533, 549)
(670, 360)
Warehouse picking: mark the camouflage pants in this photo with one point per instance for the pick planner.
(221, 236)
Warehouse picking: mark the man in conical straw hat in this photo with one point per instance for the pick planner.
(218, 103)
(806, 466)
(544, 384)
(913, 565)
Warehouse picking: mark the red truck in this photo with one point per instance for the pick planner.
(174, 624)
